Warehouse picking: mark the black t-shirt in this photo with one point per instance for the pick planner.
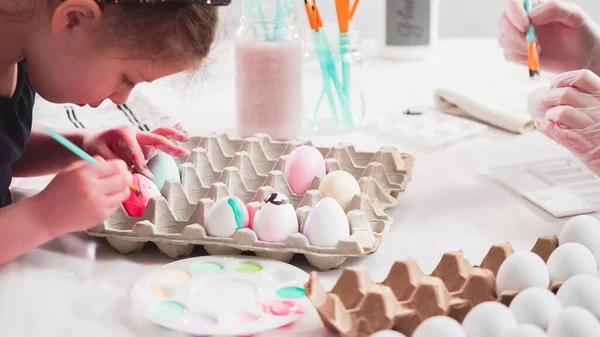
(15, 127)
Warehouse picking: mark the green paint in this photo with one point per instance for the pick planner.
(207, 268)
(168, 309)
(247, 268)
(237, 212)
(291, 292)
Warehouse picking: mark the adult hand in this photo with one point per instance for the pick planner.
(567, 37)
(569, 113)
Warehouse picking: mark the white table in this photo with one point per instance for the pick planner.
(450, 204)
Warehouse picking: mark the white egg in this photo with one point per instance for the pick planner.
(521, 271)
(525, 330)
(341, 186)
(226, 216)
(570, 259)
(438, 326)
(387, 333)
(574, 322)
(489, 319)
(275, 219)
(326, 224)
(581, 291)
(582, 229)
(597, 257)
(535, 306)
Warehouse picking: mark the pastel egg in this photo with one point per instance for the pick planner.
(341, 186)
(302, 166)
(275, 219)
(226, 216)
(326, 224)
(570, 259)
(164, 168)
(136, 203)
(521, 271)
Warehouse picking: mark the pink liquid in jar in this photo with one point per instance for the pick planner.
(268, 86)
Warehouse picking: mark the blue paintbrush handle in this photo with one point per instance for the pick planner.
(72, 147)
(530, 36)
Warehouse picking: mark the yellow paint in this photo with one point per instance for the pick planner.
(158, 292)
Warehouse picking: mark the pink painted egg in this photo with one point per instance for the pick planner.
(302, 166)
(136, 203)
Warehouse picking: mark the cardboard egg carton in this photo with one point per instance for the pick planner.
(357, 306)
(251, 169)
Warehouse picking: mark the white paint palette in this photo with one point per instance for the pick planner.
(430, 128)
(222, 295)
(562, 187)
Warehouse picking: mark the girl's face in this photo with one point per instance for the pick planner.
(68, 64)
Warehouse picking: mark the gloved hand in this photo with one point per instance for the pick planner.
(567, 38)
(569, 113)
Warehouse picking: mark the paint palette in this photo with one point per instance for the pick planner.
(223, 295)
(251, 169)
(562, 187)
(429, 128)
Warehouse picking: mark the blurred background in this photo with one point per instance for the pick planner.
(455, 20)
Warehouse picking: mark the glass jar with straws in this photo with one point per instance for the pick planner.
(268, 58)
(334, 73)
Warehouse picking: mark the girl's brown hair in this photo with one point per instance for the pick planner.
(179, 31)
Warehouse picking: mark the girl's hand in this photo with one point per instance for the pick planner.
(83, 195)
(135, 147)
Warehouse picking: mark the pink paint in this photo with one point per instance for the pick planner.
(282, 308)
(251, 212)
(302, 166)
(245, 318)
(136, 203)
(268, 85)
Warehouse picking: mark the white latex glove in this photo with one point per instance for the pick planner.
(567, 37)
(569, 113)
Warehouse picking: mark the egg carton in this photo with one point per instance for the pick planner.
(251, 169)
(357, 306)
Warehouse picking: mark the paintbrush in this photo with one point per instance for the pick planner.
(79, 152)
(533, 61)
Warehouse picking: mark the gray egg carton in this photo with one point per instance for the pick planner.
(251, 169)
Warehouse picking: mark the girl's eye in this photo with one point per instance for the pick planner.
(127, 82)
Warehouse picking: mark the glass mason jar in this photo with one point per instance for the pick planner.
(268, 61)
(333, 81)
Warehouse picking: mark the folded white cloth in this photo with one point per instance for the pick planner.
(496, 99)
(139, 111)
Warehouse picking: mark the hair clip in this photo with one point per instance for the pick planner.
(202, 2)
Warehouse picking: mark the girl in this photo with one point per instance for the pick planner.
(83, 52)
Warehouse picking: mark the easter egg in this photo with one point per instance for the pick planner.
(136, 203)
(226, 216)
(302, 166)
(164, 168)
(275, 219)
(341, 186)
(326, 224)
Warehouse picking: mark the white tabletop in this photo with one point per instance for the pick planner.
(450, 204)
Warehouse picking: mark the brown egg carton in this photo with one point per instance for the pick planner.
(251, 169)
(357, 306)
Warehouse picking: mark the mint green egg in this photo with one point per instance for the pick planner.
(164, 168)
